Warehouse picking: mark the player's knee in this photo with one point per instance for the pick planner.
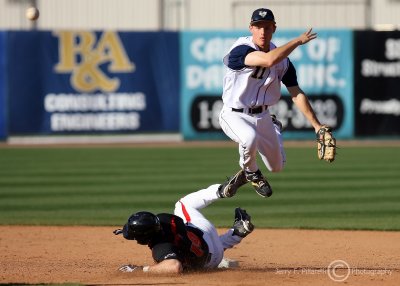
(276, 168)
(250, 141)
(178, 208)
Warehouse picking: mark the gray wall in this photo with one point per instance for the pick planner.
(198, 14)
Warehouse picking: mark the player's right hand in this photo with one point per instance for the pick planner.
(130, 268)
(307, 36)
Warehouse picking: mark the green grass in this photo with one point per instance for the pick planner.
(103, 186)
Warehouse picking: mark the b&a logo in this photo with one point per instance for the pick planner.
(83, 56)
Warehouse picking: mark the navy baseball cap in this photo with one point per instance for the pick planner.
(262, 14)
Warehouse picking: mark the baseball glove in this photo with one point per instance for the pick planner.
(326, 144)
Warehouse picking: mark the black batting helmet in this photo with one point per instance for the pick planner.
(142, 226)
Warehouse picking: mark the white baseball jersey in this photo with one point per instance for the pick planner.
(252, 86)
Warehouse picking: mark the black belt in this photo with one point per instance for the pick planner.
(254, 110)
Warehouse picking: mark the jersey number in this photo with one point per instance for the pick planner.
(258, 73)
(196, 244)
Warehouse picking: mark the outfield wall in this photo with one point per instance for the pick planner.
(108, 82)
(324, 71)
(3, 87)
(74, 82)
(377, 79)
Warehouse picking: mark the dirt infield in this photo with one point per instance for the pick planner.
(91, 255)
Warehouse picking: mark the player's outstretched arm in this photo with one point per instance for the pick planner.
(171, 266)
(168, 266)
(268, 59)
(301, 101)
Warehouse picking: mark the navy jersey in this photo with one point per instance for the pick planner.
(179, 241)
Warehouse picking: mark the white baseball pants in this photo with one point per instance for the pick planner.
(188, 208)
(254, 133)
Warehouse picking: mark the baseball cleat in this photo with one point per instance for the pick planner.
(277, 123)
(242, 225)
(260, 183)
(232, 184)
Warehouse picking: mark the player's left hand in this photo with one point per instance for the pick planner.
(326, 144)
(130, 268)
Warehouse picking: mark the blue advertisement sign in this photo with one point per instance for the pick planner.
(3, 86)
(324, 71)
(93, 82)
(201, 82)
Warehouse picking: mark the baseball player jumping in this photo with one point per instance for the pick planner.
(252, 83)
(186, 240)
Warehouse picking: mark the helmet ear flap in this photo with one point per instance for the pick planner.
(127, 234)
